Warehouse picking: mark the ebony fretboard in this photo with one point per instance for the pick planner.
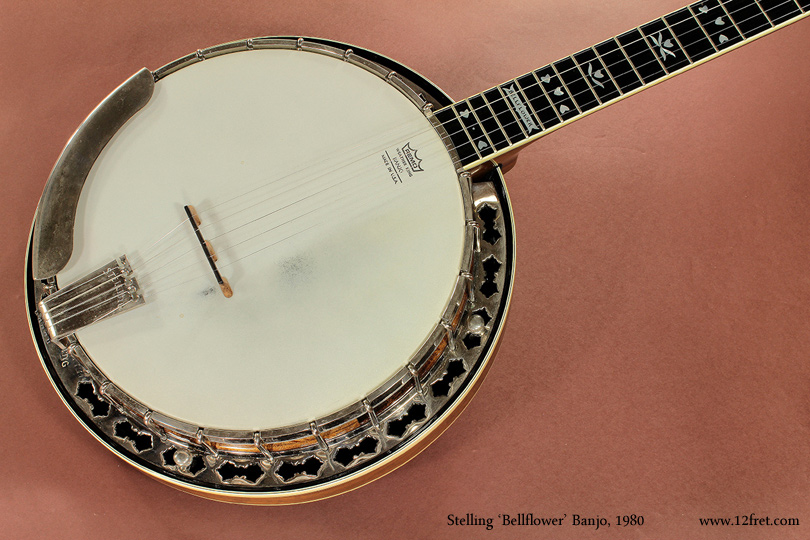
(522, 109)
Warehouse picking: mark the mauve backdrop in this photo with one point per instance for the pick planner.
(655, 359)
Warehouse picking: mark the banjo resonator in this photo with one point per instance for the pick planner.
(389, 296)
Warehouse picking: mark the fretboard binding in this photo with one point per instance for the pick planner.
(730, 18)
(634, 68)
(663, 19)
(505, 123)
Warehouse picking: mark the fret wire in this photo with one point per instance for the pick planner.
(545, 92)
(759, 7)
(757, 18)
(488, 104)
(495, 118)
(548, 97)
(483, 129)
(567, 90)
(593, 90)
(449, 138)
(480, 123)
(608, 89)
(618, 65)
(773, 23)
(791, 10)
(470, 123)
(560, 98)
(654, 74)
(491, 102)
(538, 100)
(700, 26)
(529, 105)
(626, 56)
(723, 37)
(605, 67)
(675, 37)
(589, 97)
(632, 65)
(510, 106)
(696, 49)
(643, 38)
(730, 18)
(463, 127)
(648, 31)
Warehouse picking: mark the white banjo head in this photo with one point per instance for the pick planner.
(370, 278)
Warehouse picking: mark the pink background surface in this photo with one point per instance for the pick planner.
(656, 357)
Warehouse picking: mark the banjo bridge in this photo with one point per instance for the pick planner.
(210, 256)
(108, 291)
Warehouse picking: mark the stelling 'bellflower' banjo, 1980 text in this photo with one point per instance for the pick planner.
(328, 258)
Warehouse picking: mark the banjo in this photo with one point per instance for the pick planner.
(276, 269)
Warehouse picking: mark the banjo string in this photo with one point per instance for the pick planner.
(187, 279)
(87, 297)
(681, 40)
(608, 66)
(325, 162)
(151, 292)
(342, 151)
(697, 31)
(392, 136)
(155, 293)
(575, 68)
(349, 175)
(330, 204)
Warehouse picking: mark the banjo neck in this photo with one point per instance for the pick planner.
(502, 119)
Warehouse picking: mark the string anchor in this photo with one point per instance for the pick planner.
(208, 249)
(108, 291)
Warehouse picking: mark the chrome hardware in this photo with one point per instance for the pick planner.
(313, 427)
(476, 234)
(257, 440)
(203, 440)
(371, 414)
(182, 459)
(110, 290)
(451, 338)
(416, 382)
(470, 284)
(56, 213)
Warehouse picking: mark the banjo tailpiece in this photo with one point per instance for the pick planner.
(110, 290)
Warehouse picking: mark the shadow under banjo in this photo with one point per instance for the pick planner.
(278, 268)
